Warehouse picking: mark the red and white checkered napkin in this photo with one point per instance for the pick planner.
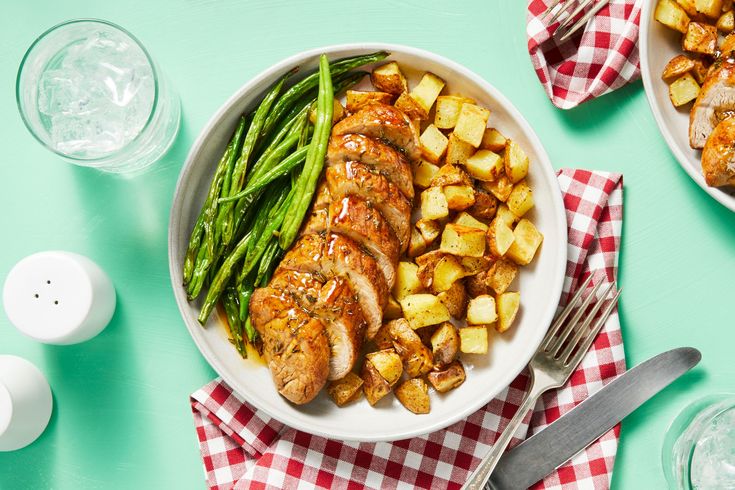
(602, 57)
(244, 448)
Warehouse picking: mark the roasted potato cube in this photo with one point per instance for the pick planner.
(447, 271)
(357, 99)
(506, 215)
(499, 237)
(382, 338)
(475, 265)
(414, 395)
(485, 165)
(481, 310)
(455, 299)
(429, 229)
(477, 284)
(500, 187)
(486, 205)
(447, 110)
(520, 199)
(689, 7)
(676, 67)
(458, 151)
(500, 275)
(459, 197)
(433, 144)
(450, 175)
(451, 377)
(726, 22)
(516, 162)
(422, 310)
(710, 8)
(388, 78)
(392, 309)
(493, 140)
(417, 358)
(426, 265)
(527, 241)
(416, 244)
(473, 340)
(670, 14)
(374, 385)
(700, 38)
(411, 107)
(426, 92)
(471, 124)
(445, 344)
(699, 72)
(345, 390)
(425, 333)
(507, 304)
(466, 219)
(463, 240)
(387, 362)
(407, 280)
(337, 114)
(727, 5)
(423, 172)
(434, 203)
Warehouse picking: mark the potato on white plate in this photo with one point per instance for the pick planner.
(337, 114)
(411, 107)
(417, 358)
(424, 309)
(500, 187)
(700, 38)
(493, 140)
(388, 364)
(448, 270)
(506, 215)
(499, 237)
(447, 110)
(482, 310)
(463, 240)
(433, 144)
(485, 165)
(430, 229)
(500, 275)
(471, 124)
(445, 344)
(486, 205)
(458, 151)
(426, 264)
(416, 244)
(473, 340)
(516, 162)
(426, 92)
(710, 8)
(434, 203)
(466, 219)
(726, 22)
(392, 309)
(474, 265)
(414, 395)
(455, 299)
(526, 242)
(389, 78)
(345, 390)
(508, 304)
(520, 199)
(449, 378)
(423, 173)
(357, 99)
(407, 280)
(374, 385)
(459, 197)
(450, 175)
(676, 67)
(670, 14)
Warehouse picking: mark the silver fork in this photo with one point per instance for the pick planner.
(558, 7)
(552, 364)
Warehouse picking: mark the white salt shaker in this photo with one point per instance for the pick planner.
(58, 297)
(25, 403)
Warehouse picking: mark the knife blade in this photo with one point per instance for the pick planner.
(548, 449)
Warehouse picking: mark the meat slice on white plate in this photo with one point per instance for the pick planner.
(716, 101)
(718, 156)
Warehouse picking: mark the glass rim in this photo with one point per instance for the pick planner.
(26, 122)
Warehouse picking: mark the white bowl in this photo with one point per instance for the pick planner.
(658, 44)
(540, 284)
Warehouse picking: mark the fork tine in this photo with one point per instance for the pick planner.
(548, 10)
(582, 5)
(565, 313)
(595, 330)
(585, 326)
(558, 13)
(581, 22)
(562, 337)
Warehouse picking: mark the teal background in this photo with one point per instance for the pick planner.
(122, 418)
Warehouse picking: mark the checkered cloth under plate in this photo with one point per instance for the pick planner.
(600, 58)
(243, 448)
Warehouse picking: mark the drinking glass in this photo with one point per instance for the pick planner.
(89, 91)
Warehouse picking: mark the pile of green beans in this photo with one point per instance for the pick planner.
(260, 192)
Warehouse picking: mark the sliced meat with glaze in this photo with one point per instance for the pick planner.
(336, 305)
(295, 345)
(378, 156)
(361, 221)
(385, 123)
(718, 155)
(330, 255)
(354, 178)
(716, 101)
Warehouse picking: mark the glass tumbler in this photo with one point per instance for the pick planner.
(699, 447)
(89, 91)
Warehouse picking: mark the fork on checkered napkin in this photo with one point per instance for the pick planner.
(567, 27)
(559, 354)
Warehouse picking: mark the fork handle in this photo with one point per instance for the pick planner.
(479, 477)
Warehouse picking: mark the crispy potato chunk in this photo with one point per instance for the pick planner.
(423, 172)
(357, 99)
(482, 310)
(447, 110)
(374, 385)
(448, 270)
(392, 309)
(466, 219)
(458, 151)
(516, 162)
(500, 187)
(426, 92)
(700, 38)
(477, 284)
(389, 78)
(422, 310)
(416, 244)
(527, 241)
(676, 67)
(448, 379)
(445, 344)
(508, 304)
(485, 165)
(433, 144)
(486, 205)
(493, 140)
(455, 299)
(417, 358)
(689, 7)
(382, 338)
(726, 22)
(499, 237)
(450, 175)
(699, 72)
(411, 107)
(414, 395)
(520, 199)
(387, 362)
(429, 229)
(473, 340)
(710, 8)
(407, 280)
(337, 114)
(459, 197)
(506, 215)
(500, 275)
(670, 14)
(463, 240)
(434, 203)
(471, 124)
(345, 390)
(426, 265)
(475, 265)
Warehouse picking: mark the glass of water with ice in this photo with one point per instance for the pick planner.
(89, 91)
(699, 447)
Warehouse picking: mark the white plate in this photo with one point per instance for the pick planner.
(540, 284)
(658, 44)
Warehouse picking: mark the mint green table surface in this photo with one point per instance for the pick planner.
(122, 417)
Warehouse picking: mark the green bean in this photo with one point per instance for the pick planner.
(232, 312)
(250, 331)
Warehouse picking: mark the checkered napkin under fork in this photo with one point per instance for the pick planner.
(242, 447)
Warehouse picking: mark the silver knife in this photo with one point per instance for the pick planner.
(548, 449)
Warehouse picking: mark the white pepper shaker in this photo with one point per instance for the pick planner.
(58, 297)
